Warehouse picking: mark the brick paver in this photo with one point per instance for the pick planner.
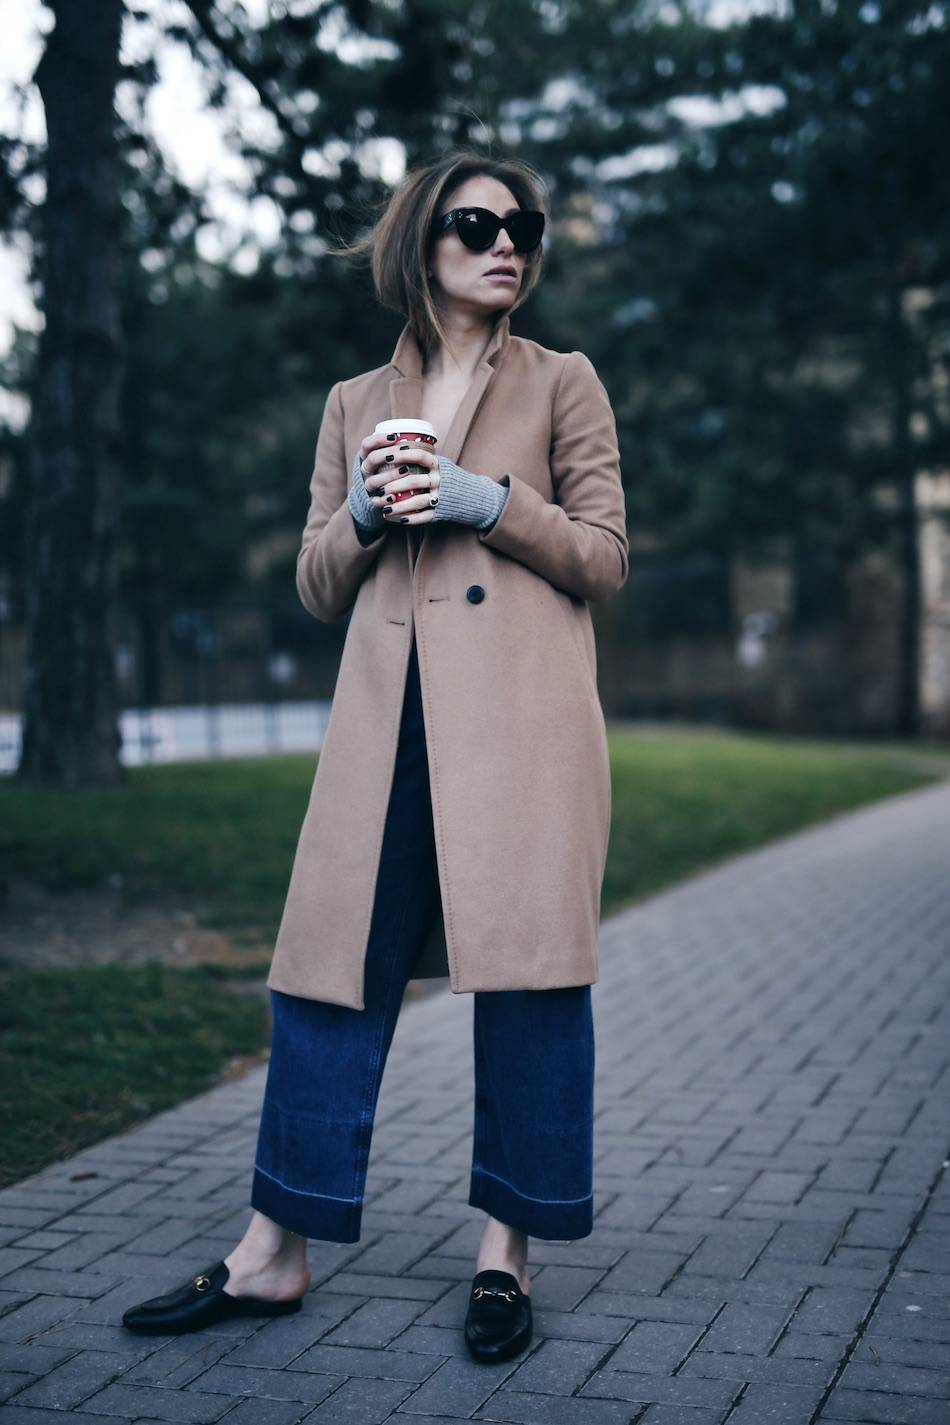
(772, 1234)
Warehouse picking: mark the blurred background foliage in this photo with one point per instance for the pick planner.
(747, 237)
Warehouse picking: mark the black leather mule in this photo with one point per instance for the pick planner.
(200, 1302)
(498, 1323)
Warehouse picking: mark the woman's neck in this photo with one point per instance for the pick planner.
(469, 338)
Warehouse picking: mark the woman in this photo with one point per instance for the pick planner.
(460, 811)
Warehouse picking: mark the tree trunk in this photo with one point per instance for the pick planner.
(70, 722)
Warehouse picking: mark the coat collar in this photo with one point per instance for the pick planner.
(407, 357)
(406, 384)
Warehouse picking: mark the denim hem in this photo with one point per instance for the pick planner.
(329, 1219)
(555, 1221)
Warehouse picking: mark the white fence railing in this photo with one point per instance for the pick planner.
(200, 733)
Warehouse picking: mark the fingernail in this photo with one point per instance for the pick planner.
(404, 447)
(391, 436)
(381, 490)
(403, 469)
(390, 499)
(386, 511)
(390, 456)
(403, 519)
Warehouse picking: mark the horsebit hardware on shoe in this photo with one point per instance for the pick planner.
(492, 1291)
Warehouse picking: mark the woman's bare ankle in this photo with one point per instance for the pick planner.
(269, 1261)
(506, 1249)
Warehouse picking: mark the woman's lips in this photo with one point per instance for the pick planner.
(500, 276)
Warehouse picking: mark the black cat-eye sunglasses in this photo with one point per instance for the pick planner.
(479, 227)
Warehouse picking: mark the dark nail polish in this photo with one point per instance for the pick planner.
(403, 469)
(390, 456)
(386, 512)
(391, 435)
(390, 499)
(381, 490)
(403, 519)
(404, 447)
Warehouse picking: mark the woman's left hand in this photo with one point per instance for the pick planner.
(417, 509)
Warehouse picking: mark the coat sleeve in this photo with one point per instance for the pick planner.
(333, 558)
(579, 543)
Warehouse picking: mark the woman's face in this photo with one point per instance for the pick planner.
(459, 275)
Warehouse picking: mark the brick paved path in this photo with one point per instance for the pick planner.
(772, 1238)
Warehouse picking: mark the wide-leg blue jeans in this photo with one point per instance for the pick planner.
(533, 1059)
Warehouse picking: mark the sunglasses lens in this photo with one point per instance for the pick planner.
(526, 230)
(477, 229)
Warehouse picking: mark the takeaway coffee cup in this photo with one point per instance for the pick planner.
(417, 432)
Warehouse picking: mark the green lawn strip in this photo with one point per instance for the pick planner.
(85, 1052)
(217, 835)
(220, 836)
(683, 801)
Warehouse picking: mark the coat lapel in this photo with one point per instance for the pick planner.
(406, 390)
(406, 385)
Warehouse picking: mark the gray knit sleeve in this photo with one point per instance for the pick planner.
(368, 517)
(469, 499)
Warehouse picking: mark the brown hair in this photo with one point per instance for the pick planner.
(399, 246)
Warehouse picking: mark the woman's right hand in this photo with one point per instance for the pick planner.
(383, 465)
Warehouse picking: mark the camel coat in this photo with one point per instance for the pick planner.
(515, 732)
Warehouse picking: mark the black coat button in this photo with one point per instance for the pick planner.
(475, 593)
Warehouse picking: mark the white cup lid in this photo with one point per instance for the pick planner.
(408, 424)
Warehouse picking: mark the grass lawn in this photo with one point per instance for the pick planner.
(88, 1051)
(685, 799)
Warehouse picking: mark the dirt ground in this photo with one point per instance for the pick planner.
(41, 929)
(44, 928)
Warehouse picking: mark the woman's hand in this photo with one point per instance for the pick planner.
(449, 492)
(384, 466)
